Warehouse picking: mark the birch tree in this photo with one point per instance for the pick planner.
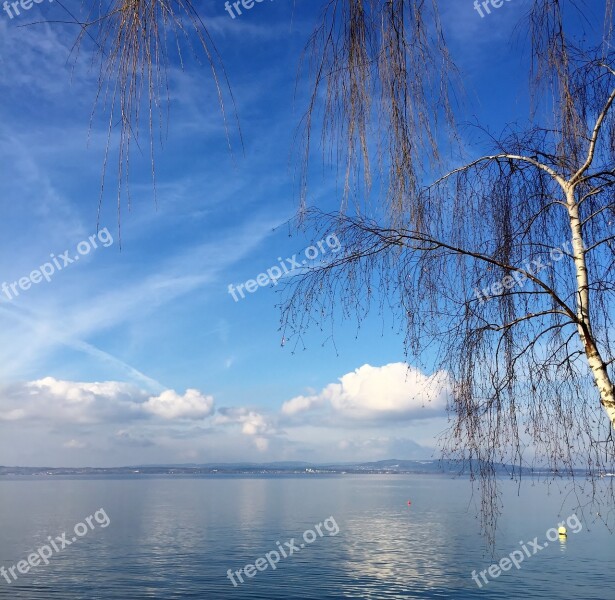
(499, 271)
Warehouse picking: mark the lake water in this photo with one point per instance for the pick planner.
(177, 537)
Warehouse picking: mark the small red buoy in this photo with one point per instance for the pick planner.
(409, 503)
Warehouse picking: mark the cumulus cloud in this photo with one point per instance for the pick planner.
(393, 391)
(120, 417)
(252, 423)
(60, 401)
(301, 404)
(171, 405)
(261, 428)
(69, 401)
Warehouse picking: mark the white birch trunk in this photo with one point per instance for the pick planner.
(596, 364)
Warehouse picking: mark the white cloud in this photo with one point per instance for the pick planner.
(393, 391)
(252, 423)
(60, 401)
(255, 424)
(301, 404)
(74, 444)
(119, 417)
(170, 405)
(70, 401)
(261, 428)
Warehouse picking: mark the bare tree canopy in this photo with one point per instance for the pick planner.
(137, 41)
(500, 270)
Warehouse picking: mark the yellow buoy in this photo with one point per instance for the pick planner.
(562, 531)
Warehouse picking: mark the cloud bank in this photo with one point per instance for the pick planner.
(60, 401)
(373, 411)
(393, 391)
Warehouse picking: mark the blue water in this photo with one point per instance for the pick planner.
(177, 537)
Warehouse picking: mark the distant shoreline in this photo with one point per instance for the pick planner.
(384, 467)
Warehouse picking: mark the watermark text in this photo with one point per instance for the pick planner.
(45, 552)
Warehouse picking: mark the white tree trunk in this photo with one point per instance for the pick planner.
(594, 359)
(605, 386)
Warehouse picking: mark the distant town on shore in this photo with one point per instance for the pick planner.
(382, 467)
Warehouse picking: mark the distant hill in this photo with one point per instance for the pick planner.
(389, 466)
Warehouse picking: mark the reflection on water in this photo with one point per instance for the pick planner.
(562, 543)
(177, 537)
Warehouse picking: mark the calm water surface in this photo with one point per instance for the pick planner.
(177, 537)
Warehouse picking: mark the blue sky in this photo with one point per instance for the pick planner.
(136, 353)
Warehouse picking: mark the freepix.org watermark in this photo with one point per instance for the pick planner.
(272, 558)
(520, 277)
(47, 270)
(516, 557)
(45, 552)
(273, 274)
(246, 4)
(479, 6)
(23, 4)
